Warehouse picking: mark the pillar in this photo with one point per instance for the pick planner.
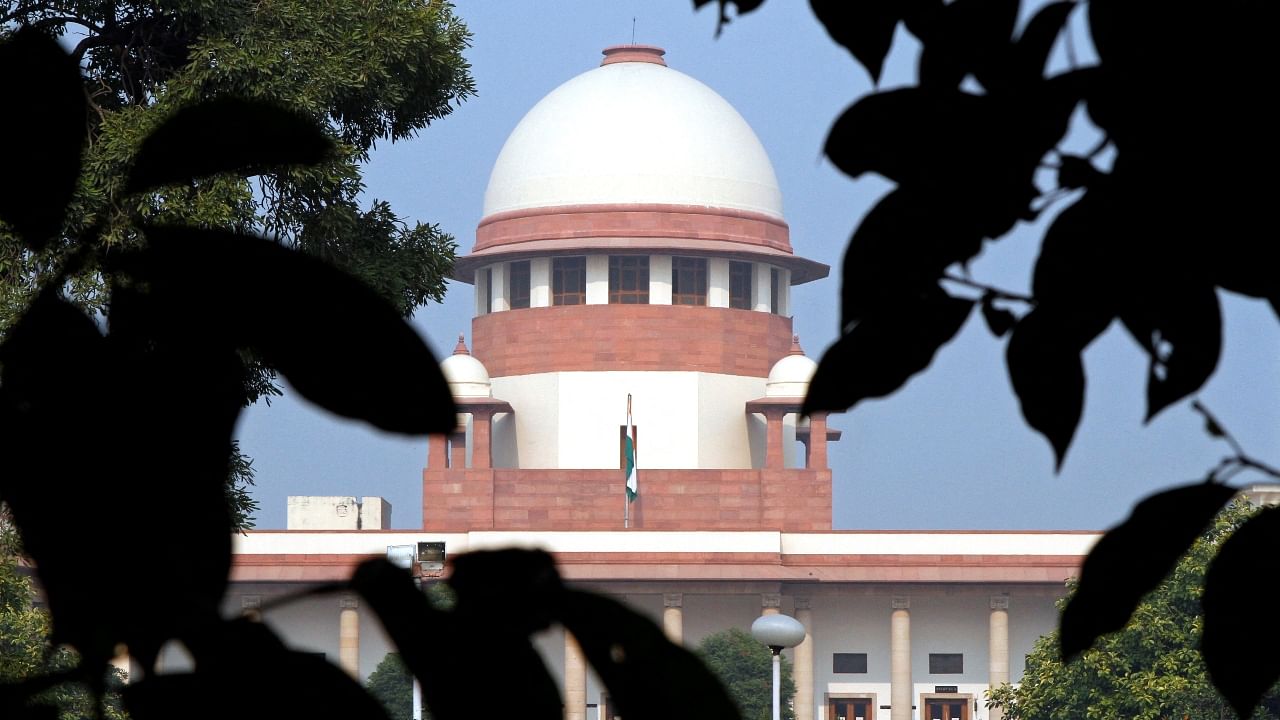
(481, 456)
(773, 456)
(999, 647)
(458, 450)
(770, 603)
(437, 452)
(349, 636)
(804, 662)
(673, 617)
(816, 449)
(575, 680)
(900, 660)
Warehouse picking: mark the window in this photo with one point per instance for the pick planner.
(688, 281)
(946, 663)
(740, 285)
(629, 279)
(569, 281)
(849, 663)
(774, 300)
(519, 288)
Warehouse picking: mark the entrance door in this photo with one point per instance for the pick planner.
(946, 709)
(850, 709)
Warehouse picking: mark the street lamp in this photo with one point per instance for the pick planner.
(777, 631)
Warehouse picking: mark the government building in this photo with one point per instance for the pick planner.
(634, 257)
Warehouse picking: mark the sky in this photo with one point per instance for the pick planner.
(948, 451)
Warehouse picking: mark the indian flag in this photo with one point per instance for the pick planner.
(633, 487)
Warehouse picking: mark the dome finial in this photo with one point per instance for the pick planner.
(634, 53)
(461, 347)
(795, 346)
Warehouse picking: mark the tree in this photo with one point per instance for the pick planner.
(744, 665)
(392, 684)
(1151, 668)
(365, 71)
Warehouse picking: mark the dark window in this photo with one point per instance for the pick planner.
(774, 300)
(519, 289)
(740, 285)
(688, 281)
(629, 279)
(569, 281)
(946, 663)
(488, 290)
(849, 663)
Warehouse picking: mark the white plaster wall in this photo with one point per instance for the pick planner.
(503, 446)
(725, 434)
(718, 282)
(597, 279)
(594, 404)
(1029, 618)
(536, 420)
(660, 280)
(540, 282)
(322, 512)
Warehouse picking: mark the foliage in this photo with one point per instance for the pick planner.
(1148, 670)
(362, 71)
(197, 307)
(392, 684)
(745, 666)
(1163, 214)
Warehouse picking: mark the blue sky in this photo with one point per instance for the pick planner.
(948, 451)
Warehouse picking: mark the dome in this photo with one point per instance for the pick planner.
(467, 376)
(790, 376)
(633, 131)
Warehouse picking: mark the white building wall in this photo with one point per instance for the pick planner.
(529, 438)
(726, 437)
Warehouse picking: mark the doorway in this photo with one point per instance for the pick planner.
(850, 709)
(946, 708)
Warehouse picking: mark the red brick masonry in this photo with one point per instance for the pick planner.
(630, 337)
(522, 499)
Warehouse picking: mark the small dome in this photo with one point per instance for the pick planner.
(633, 131)
(790, 376)
(467, 376)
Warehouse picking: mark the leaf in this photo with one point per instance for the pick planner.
(1031, 51)
(999, 320)
(232, 135)
(1180, 326)
(884, 349)
(1133, 558)
(337, 342)
(743, 7)
(967, 37)
(1045, 370)
(1239, 651)
(865, 28)
(45, 124)
(643, 671)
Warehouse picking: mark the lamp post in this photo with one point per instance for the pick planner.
(777, 631)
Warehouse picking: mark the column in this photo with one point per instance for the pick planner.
(575, 680)
(999, 647)
(540, 282)
(804, 662)
(659, 279)
(816, 449)
(773, 438)
(437, 451)
(673, 617)
(349, 636)
(770, 603)
(718, 282)
(481, 456)
(597, 279)
(900, 660)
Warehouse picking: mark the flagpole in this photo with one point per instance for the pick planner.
(626, 501)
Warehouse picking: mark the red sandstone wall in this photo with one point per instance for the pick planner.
(630, 337)
(518, 499)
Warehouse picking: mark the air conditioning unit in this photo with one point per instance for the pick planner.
(431, 558)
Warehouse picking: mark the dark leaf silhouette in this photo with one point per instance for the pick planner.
(1031, 51)
(865, 28)
(226, 135)
(965, 37)
(1133, 557)
(643, 671)
(1181, 328)
(743, 7)
(884, 349)
(336, 341)
(1238, 589)
(45, 137)
(999, 320)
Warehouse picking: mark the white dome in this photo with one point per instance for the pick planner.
(633, 132)
(466, 376)
(790, 376)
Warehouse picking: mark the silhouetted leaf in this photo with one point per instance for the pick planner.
(1076, 172)
(337, 342)
(1180, 326)
(1239, 589)
(44, 125)
(647, 676)
(966, 37)
(1031, 52)
(999, 320)
(226, 135)
(743, 7)
(865, 28)
(1133, 557)
(884, 349)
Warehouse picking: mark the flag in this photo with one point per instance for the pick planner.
(633, 487)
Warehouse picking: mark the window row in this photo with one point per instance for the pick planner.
(939, 663)
(628, 277)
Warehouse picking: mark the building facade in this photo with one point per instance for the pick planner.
(634, 261)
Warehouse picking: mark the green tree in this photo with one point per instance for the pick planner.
(1152, 669)
(367, 71)
(745, 667)
(392, 685)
